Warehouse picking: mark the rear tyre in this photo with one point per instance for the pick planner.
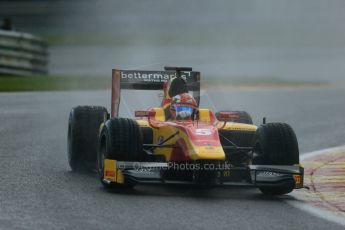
(243, 117)
(124, 139)
(121, 140)
(83, 130)
(276, 144)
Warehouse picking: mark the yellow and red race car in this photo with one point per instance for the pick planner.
(180, 143)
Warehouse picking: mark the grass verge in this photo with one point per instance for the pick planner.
(51, 83)
(59, 83)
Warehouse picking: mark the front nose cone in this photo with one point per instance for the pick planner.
(208, 153)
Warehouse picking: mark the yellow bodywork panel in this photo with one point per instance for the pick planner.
(163, 133)
(236, 126)
(160, 115)
(111, 172)
(204, 115)
(207, 153)
(143, 123)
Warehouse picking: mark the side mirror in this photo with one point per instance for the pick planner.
(147, 114)
(227, 116)
(144, 114)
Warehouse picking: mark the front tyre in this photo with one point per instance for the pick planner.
(276, 144)
(120, 139)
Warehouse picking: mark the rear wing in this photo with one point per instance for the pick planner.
(150, 80)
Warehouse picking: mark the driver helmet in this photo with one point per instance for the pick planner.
(183, 107)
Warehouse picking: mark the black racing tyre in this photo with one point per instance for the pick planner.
(243, 117)
(147, 135)
(120, 139)
(276, 144)
(83, 130)
(124, 139)
(241, 138)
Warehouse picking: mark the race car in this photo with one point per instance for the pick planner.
(180, 143)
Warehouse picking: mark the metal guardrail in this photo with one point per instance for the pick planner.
(22, 54)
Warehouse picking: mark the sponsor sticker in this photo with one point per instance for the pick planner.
(203, 132)
(109, 173)
(152, 76)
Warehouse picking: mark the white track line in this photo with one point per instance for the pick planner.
(321, 213)
(306, 156)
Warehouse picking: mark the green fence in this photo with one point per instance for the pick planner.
(22, 54)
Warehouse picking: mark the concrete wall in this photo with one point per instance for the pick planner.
(22, 54)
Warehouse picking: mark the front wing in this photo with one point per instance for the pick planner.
(121, 172)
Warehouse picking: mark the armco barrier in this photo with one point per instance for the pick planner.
(22, 54)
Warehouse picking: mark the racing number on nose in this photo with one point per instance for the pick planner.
(203, 132)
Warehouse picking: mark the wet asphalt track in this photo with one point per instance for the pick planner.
(38, 190)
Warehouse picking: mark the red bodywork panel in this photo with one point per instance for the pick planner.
(199, 135)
